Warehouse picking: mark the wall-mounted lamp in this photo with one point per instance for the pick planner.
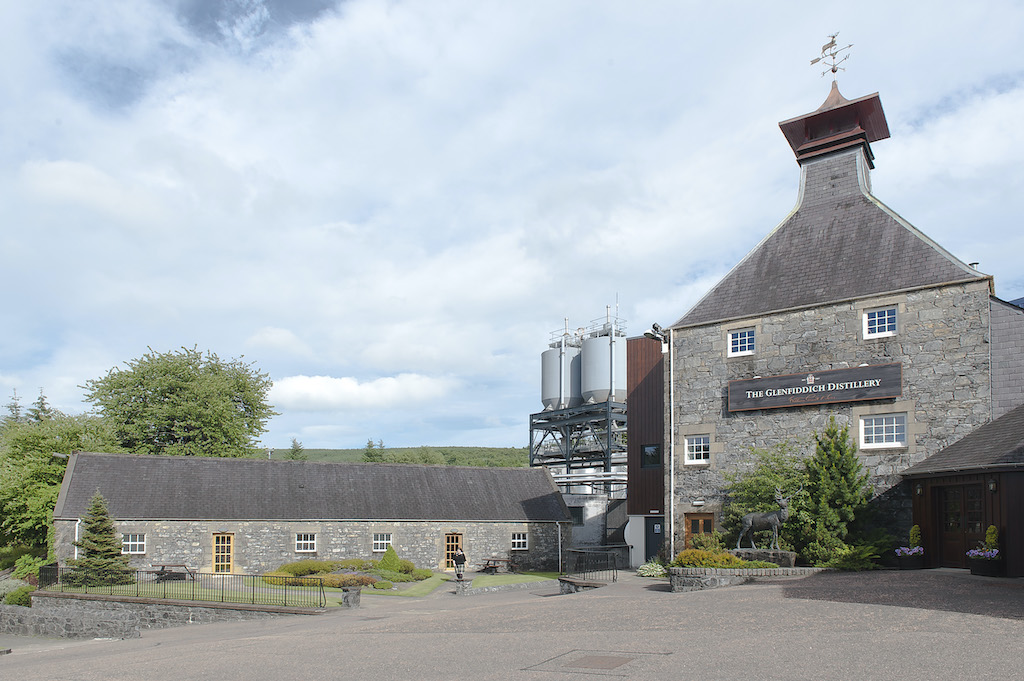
(657, 333)
(992, 487)
(698, 502)
(918, 489)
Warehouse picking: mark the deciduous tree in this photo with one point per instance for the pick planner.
(30, 474)
(185, 403)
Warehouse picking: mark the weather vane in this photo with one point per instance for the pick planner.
(829, 54)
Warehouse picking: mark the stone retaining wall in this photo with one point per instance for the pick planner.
(696, 579)
(79, 616)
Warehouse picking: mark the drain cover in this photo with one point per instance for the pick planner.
(619, 663)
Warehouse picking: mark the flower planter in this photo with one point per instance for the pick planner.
(915, 562)
(985, 567)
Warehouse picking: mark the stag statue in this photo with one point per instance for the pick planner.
(755, 522)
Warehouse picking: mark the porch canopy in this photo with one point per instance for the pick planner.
(973, 483)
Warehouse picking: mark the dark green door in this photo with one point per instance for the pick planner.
(654, 535)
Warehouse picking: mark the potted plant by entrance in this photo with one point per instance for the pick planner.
(986, 559)
(911, 557)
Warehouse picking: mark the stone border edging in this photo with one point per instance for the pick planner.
(748, 572)
(685, 579)
(464, 588)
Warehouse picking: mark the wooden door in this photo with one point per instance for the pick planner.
(452, 541)
(698, 523)
(223, 552)
(961, 522)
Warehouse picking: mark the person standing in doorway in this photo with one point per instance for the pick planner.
(460, 563)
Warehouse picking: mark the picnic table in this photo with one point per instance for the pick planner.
(169, 572)
(492, 565)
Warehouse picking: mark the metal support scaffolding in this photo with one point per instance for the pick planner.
(573, 442)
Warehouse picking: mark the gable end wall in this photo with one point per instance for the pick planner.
(1007, 357)
(942, 346)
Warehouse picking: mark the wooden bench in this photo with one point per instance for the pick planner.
(492, 565)
(167, 573)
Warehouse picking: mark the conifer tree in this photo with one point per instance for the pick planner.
(297, 451)
(102, 563)
(40, 409)
(837, 483)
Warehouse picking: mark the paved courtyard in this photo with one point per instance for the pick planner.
(929, 624)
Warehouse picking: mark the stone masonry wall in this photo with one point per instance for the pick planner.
(1007, 357)
(64, 617)
(942, 344)
(262, 546)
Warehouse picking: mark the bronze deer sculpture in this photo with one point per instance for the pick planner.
(755, 522)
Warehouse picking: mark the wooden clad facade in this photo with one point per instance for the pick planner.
(645, 389)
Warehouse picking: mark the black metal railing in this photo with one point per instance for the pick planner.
(298, 592)
(592, 564)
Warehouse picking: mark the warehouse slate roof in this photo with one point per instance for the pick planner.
(998, 444)
(197, 488)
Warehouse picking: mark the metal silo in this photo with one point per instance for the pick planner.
(560, 372)
(603, 368)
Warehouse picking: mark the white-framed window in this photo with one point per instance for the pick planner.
(305, 542)
(741, 342)
(133, 543)
(381, 541)
(883, 430)
(698, 449)
(520, 541)
(880, 322)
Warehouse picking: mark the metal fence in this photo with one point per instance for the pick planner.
(592, 564)
(299, 592)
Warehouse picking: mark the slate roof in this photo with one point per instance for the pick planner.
(196, 488)
(1019, 302)
(998, 444)
(840, 243)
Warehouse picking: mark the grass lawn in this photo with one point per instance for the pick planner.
(512, 578)
(414, 589)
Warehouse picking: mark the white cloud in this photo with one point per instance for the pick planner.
(87, 187)
(326, 393)
(425, 189)
(273, 339)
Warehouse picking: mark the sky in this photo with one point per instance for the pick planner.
(388, 206)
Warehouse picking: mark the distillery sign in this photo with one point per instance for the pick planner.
(820, 387)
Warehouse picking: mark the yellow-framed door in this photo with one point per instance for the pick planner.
(452, 541)
(223, 552)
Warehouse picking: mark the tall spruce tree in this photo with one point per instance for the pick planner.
(103, 562)
(837, 483)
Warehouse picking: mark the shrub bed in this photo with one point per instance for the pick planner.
(302, 568)
(20, 596)
(389, 570)
(339, 580)
(9, 585)
(716, 559)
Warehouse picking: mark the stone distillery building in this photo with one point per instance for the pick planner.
(251, 515)
(845, 309)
